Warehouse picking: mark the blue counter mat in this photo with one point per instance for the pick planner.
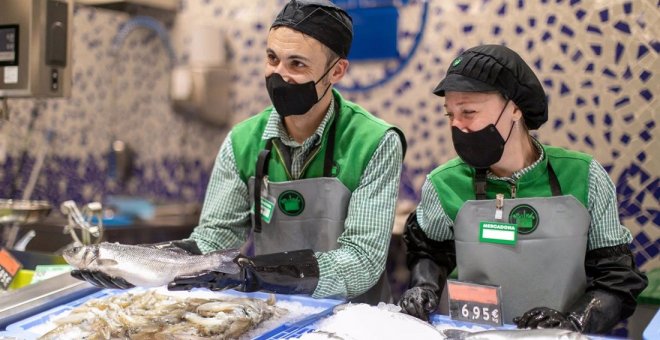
(24, 326)
(297, 329)
(652, 330)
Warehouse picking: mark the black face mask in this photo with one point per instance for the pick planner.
(483, 148)
(293, 99)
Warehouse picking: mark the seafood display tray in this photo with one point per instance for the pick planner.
(35, 326)
(297, 329)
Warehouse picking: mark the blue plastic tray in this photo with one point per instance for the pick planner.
(652, 331)
(297, 329)
(26, 327)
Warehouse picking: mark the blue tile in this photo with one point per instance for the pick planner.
(594, 29)
(576, 56)
(614, 89)
(622, 26)
(551, 19)
(502, 10)
(641, 51)
(558, 123)
(567, 31)
(625, 139)
(546, 36)
(591, 118)
(641, 156)
(627, 7)
(589, 68)
(588, 141)
(580, 13)
(558, 68)
(604, 15)
(627, 74)
(625, 100)
(618, 52)
(564, 89)
(596, 48)
(571, 137)
(609, 73)
(607, 119)
(656, 45)
(645, 135)
(646, 94)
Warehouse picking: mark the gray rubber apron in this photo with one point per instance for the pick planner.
(544, 267)
(307, 214)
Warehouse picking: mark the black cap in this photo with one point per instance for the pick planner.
(321, 20)
(497, 68)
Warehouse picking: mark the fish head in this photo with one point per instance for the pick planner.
(80, 256)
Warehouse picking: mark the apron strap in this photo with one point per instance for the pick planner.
(328, 163)
(480, 183)
(261, 171)
(554, 183)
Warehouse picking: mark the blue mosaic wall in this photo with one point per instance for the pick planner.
(596, 59)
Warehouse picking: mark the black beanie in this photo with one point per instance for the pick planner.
(498, 68)
(321, 20)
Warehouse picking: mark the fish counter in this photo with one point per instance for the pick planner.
(156, 313)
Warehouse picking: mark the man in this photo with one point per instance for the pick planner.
(321, 171)
(565, 260)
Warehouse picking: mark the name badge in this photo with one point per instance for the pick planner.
(498, 232)
(474, 302)
(267, 209)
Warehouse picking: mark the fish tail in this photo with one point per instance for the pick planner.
(224, 260)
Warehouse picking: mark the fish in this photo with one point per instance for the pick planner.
(147, 267)
(533, 334)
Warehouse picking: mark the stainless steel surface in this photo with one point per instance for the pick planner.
(14, 213)
(19, 304)
(23, 212)
(43, 68)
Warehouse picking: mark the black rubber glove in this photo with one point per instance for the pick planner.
(423, 298)
(102, 280)
(293, 272)
(614, 282)
(429, 262)
(543, 317)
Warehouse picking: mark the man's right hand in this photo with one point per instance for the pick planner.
(101, 279)
(419, 302)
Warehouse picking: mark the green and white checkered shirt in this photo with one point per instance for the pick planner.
(605, 229)
(359, 261)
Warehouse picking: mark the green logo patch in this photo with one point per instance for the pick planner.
(457, 61)
(291, 203)
(526, 217)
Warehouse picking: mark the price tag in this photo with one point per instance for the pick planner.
(475, 303)
(9, 267)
